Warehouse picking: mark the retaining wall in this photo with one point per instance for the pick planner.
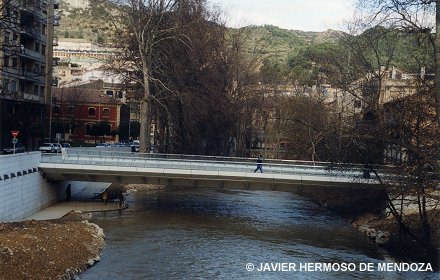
(23, 191)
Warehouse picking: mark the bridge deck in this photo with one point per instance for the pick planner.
(125, 167)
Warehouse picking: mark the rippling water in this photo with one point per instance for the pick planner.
(200, 234)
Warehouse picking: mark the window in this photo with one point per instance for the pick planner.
(6, 61)
(44, 29)
(37, 47)
(70, 110)
(15, 16)
(35, 92)
(68, 127)
(89, 128)
(357, 104)
(109, 92)
(43, 49)
(14, 62)
(13, 86)
(119, 94)
(7, 34)
(41, 91)
(106, 112)
(92, 111)
(6, 84)
(56, 110)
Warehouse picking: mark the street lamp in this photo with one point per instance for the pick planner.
(50, 117)
(129, 121)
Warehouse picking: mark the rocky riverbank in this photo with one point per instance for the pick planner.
(129, 188)
(385, 232)
(56, 249)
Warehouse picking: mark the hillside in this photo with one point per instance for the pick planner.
(80, 21)
(279, 44)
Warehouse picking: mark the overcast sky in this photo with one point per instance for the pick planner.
(306, 15)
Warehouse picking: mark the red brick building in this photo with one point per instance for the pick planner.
(75, 111)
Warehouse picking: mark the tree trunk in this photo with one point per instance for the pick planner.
(437, 60)
(144, 136)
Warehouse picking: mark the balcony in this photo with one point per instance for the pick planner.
(30, 31)
(32, 75)
(30, 5)
(30, 54)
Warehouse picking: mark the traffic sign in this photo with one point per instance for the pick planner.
(15, 133)
(14, 141)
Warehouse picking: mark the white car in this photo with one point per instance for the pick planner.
(50, 148)
(102, 145)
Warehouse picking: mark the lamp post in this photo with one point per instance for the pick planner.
(50, 118)
(129, 121)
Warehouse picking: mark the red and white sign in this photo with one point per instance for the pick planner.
(15, 133)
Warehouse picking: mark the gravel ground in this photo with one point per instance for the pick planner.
(56, 249)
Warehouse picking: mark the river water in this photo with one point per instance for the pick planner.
(222, 234)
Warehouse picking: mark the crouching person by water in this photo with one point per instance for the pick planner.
(121, 200)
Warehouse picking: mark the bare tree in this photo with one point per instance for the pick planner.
(399, 117)
(412, 16)
(143, 27)
(245, 94)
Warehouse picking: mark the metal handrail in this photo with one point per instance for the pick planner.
(100, 152)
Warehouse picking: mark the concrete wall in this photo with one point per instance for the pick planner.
(23, 191)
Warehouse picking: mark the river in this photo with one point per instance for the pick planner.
(233, 234)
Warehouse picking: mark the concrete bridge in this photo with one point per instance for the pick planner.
(99, 165)
(341, 188)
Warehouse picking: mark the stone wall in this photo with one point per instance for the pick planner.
(23, 191)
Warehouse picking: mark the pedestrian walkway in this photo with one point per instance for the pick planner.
(61, 209)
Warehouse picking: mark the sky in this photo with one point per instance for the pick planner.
(306, 15)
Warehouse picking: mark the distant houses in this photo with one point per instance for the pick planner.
(352, 105)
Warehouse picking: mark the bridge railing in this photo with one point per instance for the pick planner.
(122, 151)
(191, 162)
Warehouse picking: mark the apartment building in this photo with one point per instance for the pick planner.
(26, 40)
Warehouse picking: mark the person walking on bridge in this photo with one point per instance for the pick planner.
(259, 164)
